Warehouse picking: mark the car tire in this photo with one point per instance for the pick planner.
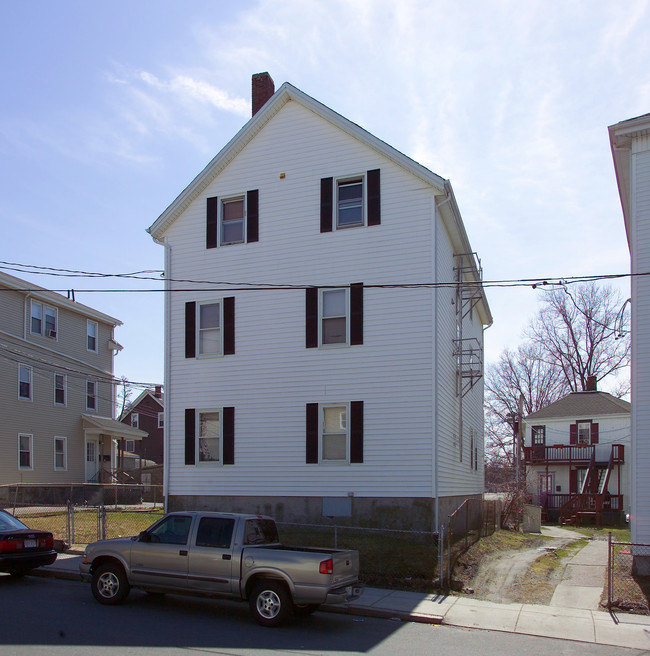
(18, 573)
(303, 610)
(109, 584)
(270, 603)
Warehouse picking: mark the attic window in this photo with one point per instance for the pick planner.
(349, 206)
(232, 224)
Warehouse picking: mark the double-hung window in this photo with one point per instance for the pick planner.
(91, 335)
(334, 317)
(350, 201)
(161, 420)
(232, 219)
(60, 389)
(208, 446)
(135, 420)
(91, 395)
(334, 433)
(210, 328)
(25, 451)
(584, 432)
(25, 375)
(210, 436)
(60, 453)
(43, 320)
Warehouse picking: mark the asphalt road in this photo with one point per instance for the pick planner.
(40, 616)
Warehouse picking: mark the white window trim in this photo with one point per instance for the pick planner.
(364, 201)
(89, 323)
(30, 398)
(94, 382)
(199, 304)
(128, 443)
(31, 452)
(222, 202)
(161, 420)
(45, 309)
(197, 459)
(321, 426)
(65, 453)
(65, 390)
(31, 317)
(321, 293)
(135, 420)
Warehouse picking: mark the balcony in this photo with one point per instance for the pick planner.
(579, 455)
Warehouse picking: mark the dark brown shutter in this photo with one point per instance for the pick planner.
(356, 431)
(211, 224)
(326, 193)
(312, 433)
(190, 329)
(573, 481)
(229, 325)
(374, 198)
(311, 317)
(573, 434)
(229, 436)
(594, 433)
(190, 436)
(252, 216)
(356, 313)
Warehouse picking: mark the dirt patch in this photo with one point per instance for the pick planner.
(527, 573)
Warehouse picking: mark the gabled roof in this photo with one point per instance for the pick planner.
(46, 296)
(442, 188)
(133, 406)
(620, 140)
(582, 405)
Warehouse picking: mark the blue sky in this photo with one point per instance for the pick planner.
(109, 109)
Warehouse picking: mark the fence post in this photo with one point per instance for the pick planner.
(441, 555)
(610, 578)
(68, 523)
(336, 537)
(103, 521)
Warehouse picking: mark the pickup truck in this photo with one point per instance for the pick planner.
(232, 556)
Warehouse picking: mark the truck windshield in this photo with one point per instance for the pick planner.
(260, 531)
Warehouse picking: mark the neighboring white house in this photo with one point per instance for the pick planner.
(56, 388)
(577, 454)
(332, 365)
(630, 143)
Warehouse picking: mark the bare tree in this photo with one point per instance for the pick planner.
(123, 396)
(583, 330)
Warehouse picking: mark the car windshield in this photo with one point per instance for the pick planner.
(9, 523)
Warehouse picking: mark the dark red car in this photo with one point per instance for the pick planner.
(22, 548)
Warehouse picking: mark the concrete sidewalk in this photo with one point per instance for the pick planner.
(555, 621)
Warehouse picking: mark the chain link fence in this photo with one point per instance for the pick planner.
(628, 580)
(79, 514)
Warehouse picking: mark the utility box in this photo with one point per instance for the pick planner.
(532, 520)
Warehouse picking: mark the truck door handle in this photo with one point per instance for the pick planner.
(226, 557)
(182, 552)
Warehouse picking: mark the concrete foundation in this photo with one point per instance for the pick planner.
(415, 514)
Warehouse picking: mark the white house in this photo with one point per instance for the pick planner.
(630, 143)
(324, 327)
(577, 457)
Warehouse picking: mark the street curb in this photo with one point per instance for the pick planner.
(341, 610)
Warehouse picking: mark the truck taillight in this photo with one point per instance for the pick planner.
(326, 567)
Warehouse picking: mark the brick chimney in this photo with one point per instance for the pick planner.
(592, 384)
(263, 89)
(157, 391)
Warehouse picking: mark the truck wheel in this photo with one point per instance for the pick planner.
(270, 603)
(109, 584)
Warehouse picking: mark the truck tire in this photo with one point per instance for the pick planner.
(109, 584)
(270, 603)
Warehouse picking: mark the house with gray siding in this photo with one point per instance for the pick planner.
(630, 144)
(324, 321)
(56, 388)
